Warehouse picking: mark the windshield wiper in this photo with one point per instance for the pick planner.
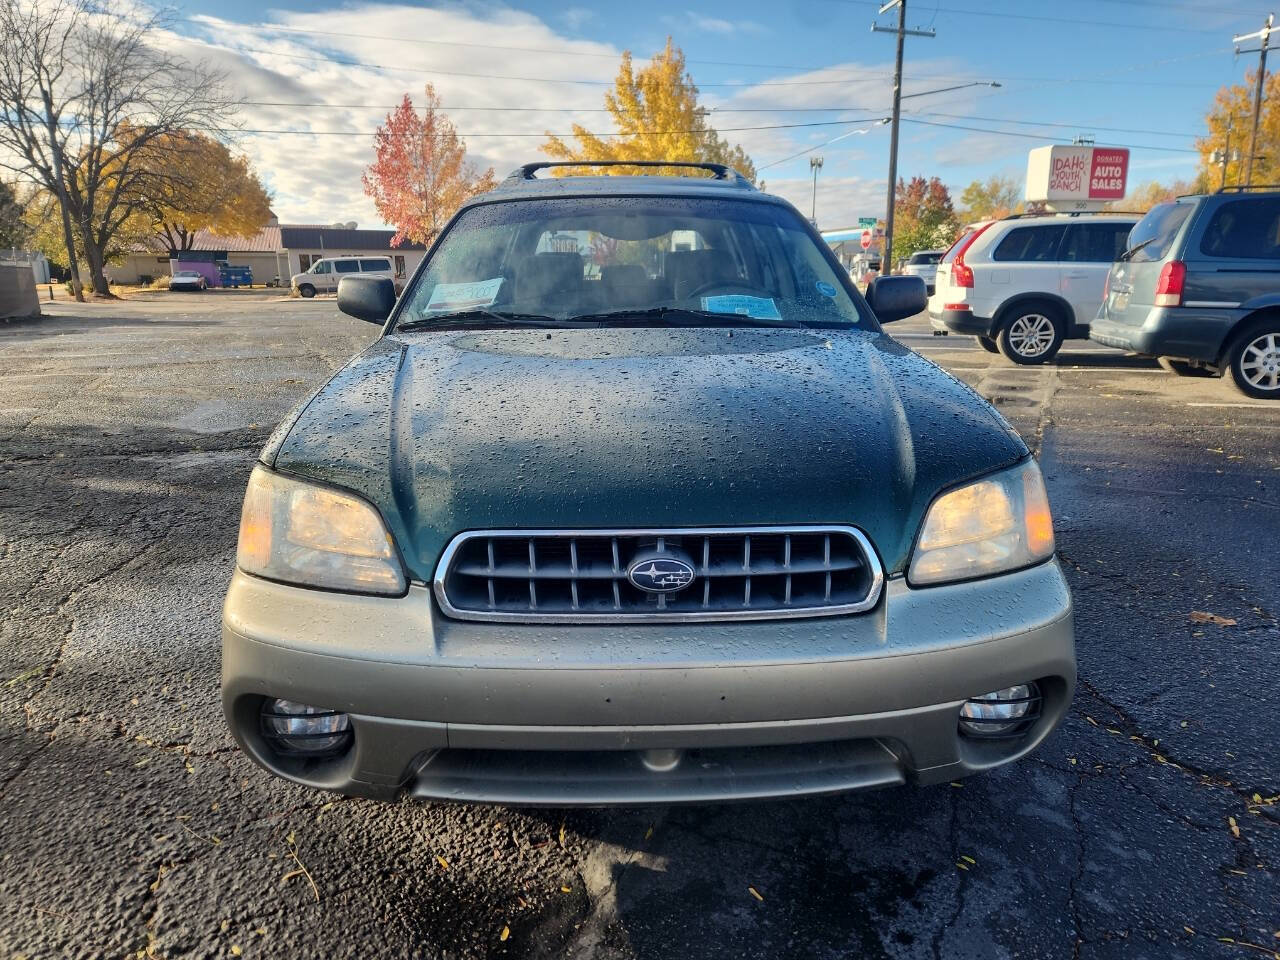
(481, 317)
(685, 317)
(1132, 250)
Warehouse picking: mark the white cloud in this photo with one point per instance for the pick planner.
(841, 200)
(575, 18)
(486, 57)
(317, 178)
(696, 21)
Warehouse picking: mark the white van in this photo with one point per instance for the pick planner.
(324, 274)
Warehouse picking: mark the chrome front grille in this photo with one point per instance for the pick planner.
(582, 576)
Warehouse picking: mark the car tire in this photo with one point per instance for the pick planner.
(1254, 359)
(1032, 333)
(1180, 368)
(988, 345)
(307, 290)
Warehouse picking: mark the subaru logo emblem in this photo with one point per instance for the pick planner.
(660, 574)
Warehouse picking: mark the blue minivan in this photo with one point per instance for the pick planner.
(1199, 287)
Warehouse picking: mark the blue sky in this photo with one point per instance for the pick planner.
(1146, 68)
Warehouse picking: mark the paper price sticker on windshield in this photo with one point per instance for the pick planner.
(762, 308)
(464, 296)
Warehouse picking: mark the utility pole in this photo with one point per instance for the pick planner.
(815, 164)
(886, 265)
(1264, 35)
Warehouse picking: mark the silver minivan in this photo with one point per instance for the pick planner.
(324, 274)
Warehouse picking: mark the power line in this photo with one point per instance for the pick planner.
(525, 133)
(559, 52)
(1076, 21)
(1068, 126)
(494, 76)
(1037, 136)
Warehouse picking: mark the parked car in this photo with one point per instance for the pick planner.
(1024, 284)
(923, 264)
(188, 280)
(324, 274)
(633, 501)
(1199, 287)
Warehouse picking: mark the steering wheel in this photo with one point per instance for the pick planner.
(729, 287)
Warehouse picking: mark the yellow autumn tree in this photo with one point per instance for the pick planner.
(187, 182)
(1233, 108)
(657, 116)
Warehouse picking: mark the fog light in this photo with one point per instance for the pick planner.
(303, 730)
(1002, 713)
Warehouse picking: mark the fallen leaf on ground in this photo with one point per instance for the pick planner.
(444, 864)
(506, 932)
(755, 893)
(1203, 616)
(1235, 829)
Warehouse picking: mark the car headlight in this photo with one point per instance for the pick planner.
(993, 525)
(315, 536)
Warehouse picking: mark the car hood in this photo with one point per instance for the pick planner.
(641, 427)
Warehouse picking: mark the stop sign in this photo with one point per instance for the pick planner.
(866, 239)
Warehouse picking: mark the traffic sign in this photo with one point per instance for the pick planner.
(867, 223)
(866, 239)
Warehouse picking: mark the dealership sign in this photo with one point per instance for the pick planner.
(1076, 177)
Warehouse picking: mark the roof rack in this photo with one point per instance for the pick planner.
(1246, 189)
(1075, 213)
(722, 171)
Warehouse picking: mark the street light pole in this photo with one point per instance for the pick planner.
(886, 254)
(815, 164)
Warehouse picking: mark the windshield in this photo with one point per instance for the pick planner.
(1152, 236)
(587, 258)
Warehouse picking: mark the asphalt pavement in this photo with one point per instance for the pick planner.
(130, 824)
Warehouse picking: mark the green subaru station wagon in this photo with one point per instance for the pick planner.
(634, 502)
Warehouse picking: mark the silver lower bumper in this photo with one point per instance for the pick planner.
(554, 715)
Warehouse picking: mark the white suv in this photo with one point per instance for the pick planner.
(923, 264)
(1024, 284)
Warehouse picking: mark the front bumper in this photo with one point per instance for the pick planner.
(554, 715)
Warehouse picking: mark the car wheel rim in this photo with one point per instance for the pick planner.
(1031, 335)
(1260, 362)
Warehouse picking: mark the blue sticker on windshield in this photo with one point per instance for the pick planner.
(762, 308)
(826, 289)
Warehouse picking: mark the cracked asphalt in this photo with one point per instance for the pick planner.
(130, 825)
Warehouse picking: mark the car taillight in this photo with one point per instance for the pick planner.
(1169, 287)
(1106, 287)
(961, 273)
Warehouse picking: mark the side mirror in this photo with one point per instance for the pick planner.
(366, 298)
(893, 298)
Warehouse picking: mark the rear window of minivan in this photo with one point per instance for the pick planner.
(1152, 236)
(1246, 229)
(375, 265)
(924, 258)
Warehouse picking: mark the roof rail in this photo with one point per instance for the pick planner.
(722, 171)
(1246, 189)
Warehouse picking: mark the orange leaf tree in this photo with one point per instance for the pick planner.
(420, 175)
